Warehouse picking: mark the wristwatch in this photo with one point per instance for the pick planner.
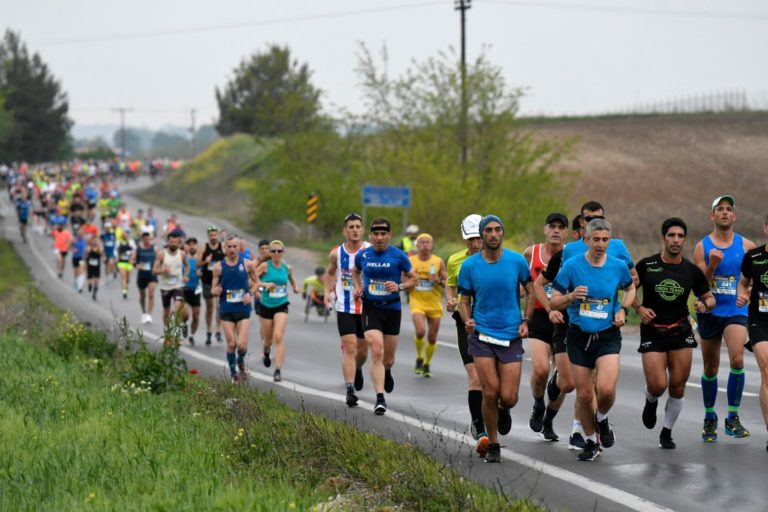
(400, 287)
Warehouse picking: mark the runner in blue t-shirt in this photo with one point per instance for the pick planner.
(588, 285)
(377, 278)
(23, 205)
(489, 282)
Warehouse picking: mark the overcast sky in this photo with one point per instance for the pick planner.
(573, 56)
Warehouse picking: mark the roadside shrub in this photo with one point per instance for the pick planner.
(72, 337)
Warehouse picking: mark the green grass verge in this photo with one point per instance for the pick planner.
(77, 436)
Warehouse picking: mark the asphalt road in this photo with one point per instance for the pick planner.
(635, 474)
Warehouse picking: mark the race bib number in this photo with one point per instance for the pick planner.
(424, 285)
(173, 280)
(492, 340)
(346, 282)
(109, 244)
(94, 262)
(724, 285)
(377, 289)
(279, 292)
(548, 289)
(235, 295)
(762, 305)
(595, 308)
(146, 266)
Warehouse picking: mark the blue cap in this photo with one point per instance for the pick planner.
(490, 218)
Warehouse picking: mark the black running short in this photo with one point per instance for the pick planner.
(461, 336)
(758, 330)
(168, 296)
(542, 329)
(661, 344)
(384, 320)
(192, 298)
(93, 272)
(349, 323)
(76, 261)
(584, 349)
(712, 327)
(144, 278)
(269, 313)
(207, 291)
(235, 317)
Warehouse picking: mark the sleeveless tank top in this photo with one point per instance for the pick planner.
(426, 294)
(145, 258)
(192, 280)
(537, 266)
(234, 286)
(93, 259)
(279, 295)
(726, 276)
(345, 287)
(173, 279)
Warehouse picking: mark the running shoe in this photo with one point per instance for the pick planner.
(482, 445)
(734, 428)
(591, 451)
(243, 371)
(191, 341)
(549, 433)
(235, 380)
(208, 339)
(218, 337)
(665, 439)
(576, 441)
(709, 431)
(553, 392)
(351, 400)
(264, 359)
(419, 366)
(276, 376)
(607, 437)
(359, 380)
(537, 419)
(389, 382)
(184, 330)
(473, 431)
(649, 414)
(149, 318)
(125, 293)
(380, 408)
(504, 421)
(494, 453)
(425, 371)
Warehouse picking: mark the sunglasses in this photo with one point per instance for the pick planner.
(276, 251)
(212, 229)
(352, 216)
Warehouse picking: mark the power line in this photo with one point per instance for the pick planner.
(244, 24)
(633, 10)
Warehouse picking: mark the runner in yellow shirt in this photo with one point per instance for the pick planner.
(426, 300)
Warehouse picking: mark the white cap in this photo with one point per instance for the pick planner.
(470, 226)
(720, 199)
(412, 229)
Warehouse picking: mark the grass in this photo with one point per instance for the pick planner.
(78, 436)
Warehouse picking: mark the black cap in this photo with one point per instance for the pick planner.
(552, 217)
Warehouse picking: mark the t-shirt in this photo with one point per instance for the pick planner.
(666, 287)
(495, 293)
(453, 266)
(61, 239)
(755, 266)
(377, 268)
(616, 248)
(595, 313)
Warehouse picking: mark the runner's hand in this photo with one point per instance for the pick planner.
(646, 314)
(556, 317)
(391, 286)
(741, 300)
(247, 299)
(618, 318)
(522, 331)
(715, 257)
(470, 326)
(358, 293)
(450, 305)
(579, 293)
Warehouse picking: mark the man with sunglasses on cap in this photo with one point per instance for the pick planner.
(377, 277)
(719, 256)
(489, 283)
(470, 232)
(339, 295)
(206, 260)
(541, 342)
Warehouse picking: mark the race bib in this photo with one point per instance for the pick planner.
(492, 340)
(724, 285)
(548, 288)
(424, 285)
(109, 243)
(376, 288)
(146, 266)
(762, 305)
(347, 283)
(94, 262)
(235, 295)
(173, 280)
(199, 289)
(279, 292)
(595, 308)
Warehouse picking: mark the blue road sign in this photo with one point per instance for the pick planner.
(374, 195)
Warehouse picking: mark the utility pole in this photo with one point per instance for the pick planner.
(193, 132)
(463, 6)
(122, 111)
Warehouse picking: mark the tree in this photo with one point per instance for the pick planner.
(36, 101)
(134, 146)
(169, 145)
(270, 94)
(6, 122)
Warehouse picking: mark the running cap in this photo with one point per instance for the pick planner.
(146, 231)
(557, 217)
(212, 228)
(720, 199)
(191, 240)
(412, 229)
(424, 235)
(470, 226)
(107, 224)
(490, 218)
(176, 233)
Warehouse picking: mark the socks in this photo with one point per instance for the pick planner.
(709, 393)
(419, 347)
(592, 437)
(735, 389)
(549, 416)
(672, 410)
(475, 401)
(538, 403)
(576, 427)
(600, 416)
(431, 347)
(650, 397)
(241, 356)
(231, 362)
(350, 389)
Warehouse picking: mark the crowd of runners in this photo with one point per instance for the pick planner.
(568, 296)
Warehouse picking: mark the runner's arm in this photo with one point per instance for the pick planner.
(292, 280)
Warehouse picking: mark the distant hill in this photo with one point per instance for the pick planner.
(647, 168)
